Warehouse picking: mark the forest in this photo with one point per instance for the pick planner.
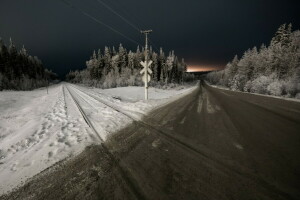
(122, 68)
(20, 71)
(273, 69)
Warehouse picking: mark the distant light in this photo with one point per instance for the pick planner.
(199, 68)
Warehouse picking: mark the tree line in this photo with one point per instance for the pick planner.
(122, 68)
(273, 69)
(20, 71)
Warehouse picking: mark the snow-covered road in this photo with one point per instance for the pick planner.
(39, 129)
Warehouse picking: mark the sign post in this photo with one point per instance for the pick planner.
(146, 64)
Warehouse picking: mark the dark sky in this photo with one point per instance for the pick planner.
(206, 33)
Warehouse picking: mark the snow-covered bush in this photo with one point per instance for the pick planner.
(26, 83)
(297, 96)
(260, 84)
(291, 87)
(248, 86)
(238, 82)
(275, 88)
(109, 81)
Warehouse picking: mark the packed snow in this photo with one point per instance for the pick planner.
(39, 129)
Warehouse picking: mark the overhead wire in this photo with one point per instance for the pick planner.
(108, 26)
(116, 13)
(126, 20)
(133, 25)
(141, 22)
(132, 14)
(98, 21)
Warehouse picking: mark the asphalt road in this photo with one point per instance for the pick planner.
(210, 144)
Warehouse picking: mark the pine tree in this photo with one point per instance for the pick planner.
(107, 61)
(92, 66)
(279, 35)
(3, 58)
(169, 67)
(175, 77)
(114, 52)
(131, 60)
(162, 66)
(12, 50)
(138, 57)
(234, 66)
(154, 67)
(122, 58)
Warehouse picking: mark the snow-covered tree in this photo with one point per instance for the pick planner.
(122, 68)
(269, 70)
(18, 70)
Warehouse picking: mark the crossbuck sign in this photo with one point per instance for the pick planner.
(146, 71)
(146, 74)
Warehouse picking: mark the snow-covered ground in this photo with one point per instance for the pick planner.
(39, 129)
(131, 99)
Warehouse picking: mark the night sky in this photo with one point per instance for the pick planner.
(207, 33)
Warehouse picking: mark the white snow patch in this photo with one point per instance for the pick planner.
(156, 143)
(210, 108)
(183, 120)
(238, 146)
(200, 103)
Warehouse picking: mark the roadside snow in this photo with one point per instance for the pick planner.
(264, 95)
(39, 129)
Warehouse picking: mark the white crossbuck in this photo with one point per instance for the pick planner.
(143, 71)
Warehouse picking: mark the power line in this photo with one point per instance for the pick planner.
(127, 21)
(124, 19)
(98, 21)
(132, 14)
(116, 13)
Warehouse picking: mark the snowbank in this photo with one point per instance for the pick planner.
(264, 95)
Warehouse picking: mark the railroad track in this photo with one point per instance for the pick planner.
(231, 167)
(146, 125)
(126, 175)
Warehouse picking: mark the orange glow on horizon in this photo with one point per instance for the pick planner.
(198, 68)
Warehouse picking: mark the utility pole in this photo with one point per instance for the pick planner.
(146, 64)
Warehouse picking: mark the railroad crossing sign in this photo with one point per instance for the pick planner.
(144, 78)
(146, 64)
(143, 71)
